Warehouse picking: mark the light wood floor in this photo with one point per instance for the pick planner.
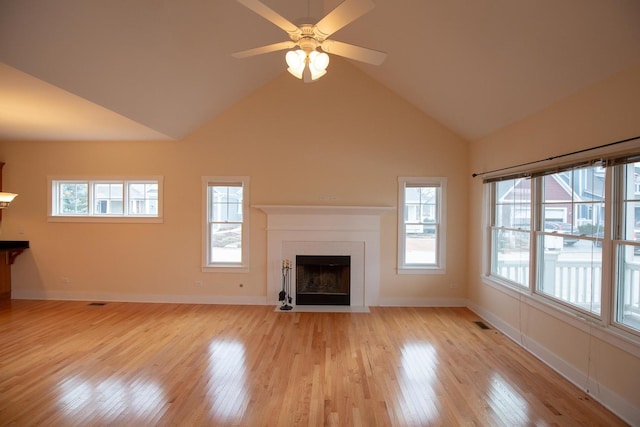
(70, 363)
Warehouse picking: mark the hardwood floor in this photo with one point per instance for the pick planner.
(71, 363)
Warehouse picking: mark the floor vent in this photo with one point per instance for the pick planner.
(481, 325)
(98, 303)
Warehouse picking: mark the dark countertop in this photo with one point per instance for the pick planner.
(12, 245)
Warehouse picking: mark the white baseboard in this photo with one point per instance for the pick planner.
(145, 298)
(614, 402)
(422, 302)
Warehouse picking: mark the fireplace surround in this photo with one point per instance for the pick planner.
(352, 231)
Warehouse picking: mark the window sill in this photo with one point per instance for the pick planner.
(225, 269)
(107, 219)
(421, 270)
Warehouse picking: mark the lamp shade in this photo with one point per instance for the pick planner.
(6, 199)
(296, 60)
(318, 62)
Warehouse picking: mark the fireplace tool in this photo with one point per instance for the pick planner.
(285, 293)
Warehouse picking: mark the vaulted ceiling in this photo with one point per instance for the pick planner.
(159, 69)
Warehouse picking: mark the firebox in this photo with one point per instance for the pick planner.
(323, 280)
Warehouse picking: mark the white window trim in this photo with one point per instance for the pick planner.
(440, 267)
(242, 267)
(111, 218)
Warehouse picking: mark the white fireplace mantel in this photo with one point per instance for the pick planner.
(326, 230)
(323, 210)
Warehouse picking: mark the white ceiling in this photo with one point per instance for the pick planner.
(159, 69)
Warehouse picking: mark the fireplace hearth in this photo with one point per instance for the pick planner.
(323, 280)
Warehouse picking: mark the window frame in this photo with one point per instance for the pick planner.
(53, 208)
(439, 267)
(229, 267)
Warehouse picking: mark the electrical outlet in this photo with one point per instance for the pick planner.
(453, 285)
(197, 283)
(65, 280)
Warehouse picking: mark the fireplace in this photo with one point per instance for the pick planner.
(323, 280)
(352, 231)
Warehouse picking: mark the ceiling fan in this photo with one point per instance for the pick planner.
(309, 42)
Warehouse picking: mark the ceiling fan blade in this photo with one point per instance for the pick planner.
(270, 15)
(358, 53)
(264, 49)
(346, 12)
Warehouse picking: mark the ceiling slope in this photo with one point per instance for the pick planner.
(475, 66)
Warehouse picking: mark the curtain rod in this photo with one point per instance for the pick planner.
(556, 157)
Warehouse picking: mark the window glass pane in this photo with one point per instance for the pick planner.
(226, 243)
(108, 198)
(627, 310)
(225, 204)
(513, 204)
(510, 255)
(571, 273)
(74, 198)
(628, 298)
(143, 198)
(421, 244)
(570, 264)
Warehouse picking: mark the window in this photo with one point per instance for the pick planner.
(510, 227)
(627, 249)
(421, 225)
(105, 200)
(570, 238)
(569, 260)
(226, 223)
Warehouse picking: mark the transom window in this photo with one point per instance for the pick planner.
(128, 200)
(421, 228)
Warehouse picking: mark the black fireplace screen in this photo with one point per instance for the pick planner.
(323, 280)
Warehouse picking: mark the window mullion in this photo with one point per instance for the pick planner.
(90, 197)
(535, 224)
(612, 215)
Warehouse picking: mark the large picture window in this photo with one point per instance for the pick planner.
(226, 224)
(570, 237)
(105, 200)
(421, 230)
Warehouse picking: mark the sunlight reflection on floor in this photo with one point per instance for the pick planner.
(111, 397)
(418, 400)
(227, 370)
(507, 402)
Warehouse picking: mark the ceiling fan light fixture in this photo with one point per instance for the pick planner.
(306, 62)
(296, 60)
(318, 61)
(6, 199)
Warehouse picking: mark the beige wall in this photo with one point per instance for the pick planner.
(344, 137)
(606, 112)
